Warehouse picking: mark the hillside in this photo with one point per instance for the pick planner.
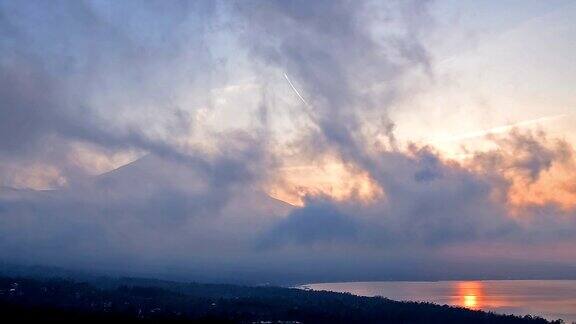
(143, 300)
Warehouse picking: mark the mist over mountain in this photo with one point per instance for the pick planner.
(288, 141)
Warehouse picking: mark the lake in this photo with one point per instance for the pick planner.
(551, 299)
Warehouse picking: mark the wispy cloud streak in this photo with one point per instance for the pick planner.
(500, 129)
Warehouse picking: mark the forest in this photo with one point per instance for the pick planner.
(66, 300)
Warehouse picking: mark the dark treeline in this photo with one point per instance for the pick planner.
(141, 300)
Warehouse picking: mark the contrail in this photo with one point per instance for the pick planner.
(500, 129)
(294, 88)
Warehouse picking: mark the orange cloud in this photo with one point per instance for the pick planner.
(331, 178)
(529, 170)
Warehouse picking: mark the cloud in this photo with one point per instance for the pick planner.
(529, 165)
(128, 79)
(61, 86)
(430, 202)
(329, 48)
(316, 222)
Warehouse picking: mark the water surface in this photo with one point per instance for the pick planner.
(551, 299)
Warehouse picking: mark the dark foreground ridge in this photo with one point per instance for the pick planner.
(153, 301)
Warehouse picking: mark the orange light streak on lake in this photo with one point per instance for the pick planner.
(470, 294)
(551, 299)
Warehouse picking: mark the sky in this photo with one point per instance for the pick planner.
(290, 141)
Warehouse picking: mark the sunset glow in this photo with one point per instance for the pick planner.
(470, 294)
(470, 301)
(332, 180)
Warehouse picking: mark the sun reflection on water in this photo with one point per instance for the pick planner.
(551, 299)
(470, 301)
(469, 294)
